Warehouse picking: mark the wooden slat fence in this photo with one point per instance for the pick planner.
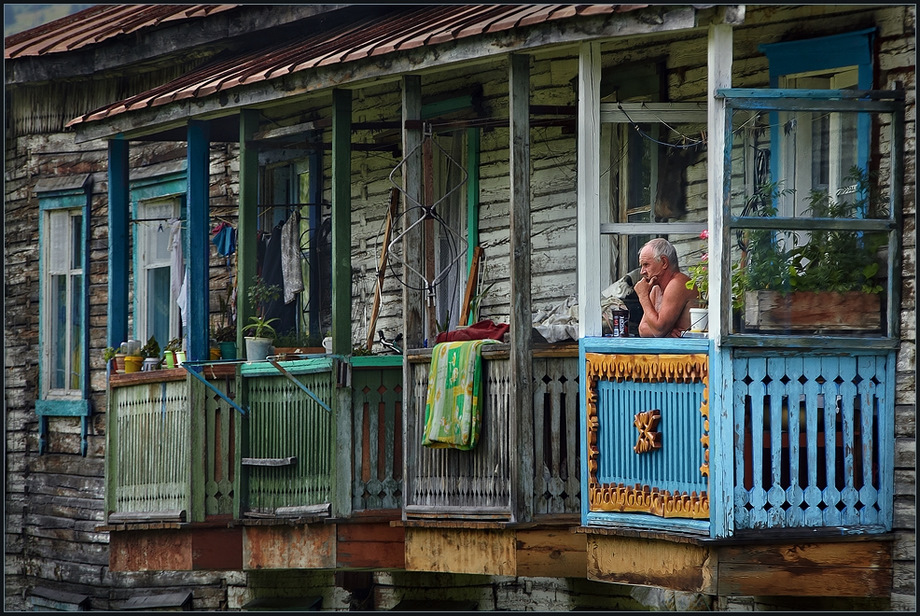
(285, 422)
(377, 438)
(557, 480)
(152, 449)
(221, 428)
(476, 483)
(811, 433)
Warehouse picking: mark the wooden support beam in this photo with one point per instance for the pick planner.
(589, 173)
(119, 259)
(521, 313)
(197, 256)
(341, 221)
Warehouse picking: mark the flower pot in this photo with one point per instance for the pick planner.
(699, 319)
(214, 352)
(767, 310)
(133, 363)
(150, 363)
(119, 363)
(257, 349)
(327, 344)
(170, 358)
(228, 350)
(180, 357)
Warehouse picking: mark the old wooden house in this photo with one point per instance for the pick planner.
(411, 174)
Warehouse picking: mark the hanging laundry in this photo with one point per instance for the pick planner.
(224, 238)
(176, 265)
(271, 274)
(290, 259)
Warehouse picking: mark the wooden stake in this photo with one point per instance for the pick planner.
(382, 266)
(470, 286)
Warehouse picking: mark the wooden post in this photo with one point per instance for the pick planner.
(719, 194)
(382, 266)
(413, 325)
(341, 222)
(589, 173)
(341, 291)
(197, 256)
(246, 271)
(119, 258)
(521, 313)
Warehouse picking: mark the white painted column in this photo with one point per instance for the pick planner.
(589, 173)
(719, 177)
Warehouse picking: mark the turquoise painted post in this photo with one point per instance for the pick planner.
(118, 243)
(198, 235)
(315, 196)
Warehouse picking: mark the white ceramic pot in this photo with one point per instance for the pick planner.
(257, 349)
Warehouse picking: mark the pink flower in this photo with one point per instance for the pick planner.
(705, 257)
(704, 234)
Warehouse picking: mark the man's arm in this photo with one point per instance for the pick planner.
(659, 321)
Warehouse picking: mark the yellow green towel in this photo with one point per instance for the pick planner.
(454, 407)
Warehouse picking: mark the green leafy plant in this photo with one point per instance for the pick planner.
(260, 294)
(173, 345)
(699, 279)
(151, 349)
(821, 260)
(108, 353)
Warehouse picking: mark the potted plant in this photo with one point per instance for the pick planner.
(169, 352)
(699, 280)
(133, 358)
(825, 280)
(225, 328)
(259, 343)
(151, 354)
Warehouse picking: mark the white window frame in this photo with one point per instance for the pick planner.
(149, 222)
(53, 246)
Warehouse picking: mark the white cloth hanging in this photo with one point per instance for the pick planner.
(290, 260)
(176, 266)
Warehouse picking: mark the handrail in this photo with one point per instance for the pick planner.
(291, 378)
(194, 367)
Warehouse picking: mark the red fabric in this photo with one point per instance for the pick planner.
(477, 331)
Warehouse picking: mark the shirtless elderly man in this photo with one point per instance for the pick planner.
(663, 292)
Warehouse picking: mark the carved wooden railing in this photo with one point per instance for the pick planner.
(813, 439)
(169, 458)
(376, 438)
(647, 431)
(289, 444)
(477, 484)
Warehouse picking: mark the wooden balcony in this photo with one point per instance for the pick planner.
(777, 483)
(462, 503)
(257, 468)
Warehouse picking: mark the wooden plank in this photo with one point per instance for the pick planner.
(372, 545)
(551, 553)
(471, 280)
(521, 321)
(627, 560)
(382, 265)
(482, 552)
(288, 461)
(289, 547)
(119, 256)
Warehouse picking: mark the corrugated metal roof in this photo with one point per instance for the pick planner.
(99, 23)
(403, 28)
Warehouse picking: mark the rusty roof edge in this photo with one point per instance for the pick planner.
(304, 83)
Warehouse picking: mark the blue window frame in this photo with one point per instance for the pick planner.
(816, 151)
(64, 207)
(156, 200)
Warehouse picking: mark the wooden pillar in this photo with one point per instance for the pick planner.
(413, 298)
(589, 173)
(247, 242)
(341, 291)
(521, 313)
(719, 195)
(472, 198)
(341, 222)
(247, 228)
(198, 254)
(119, 259)
(315, 196)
